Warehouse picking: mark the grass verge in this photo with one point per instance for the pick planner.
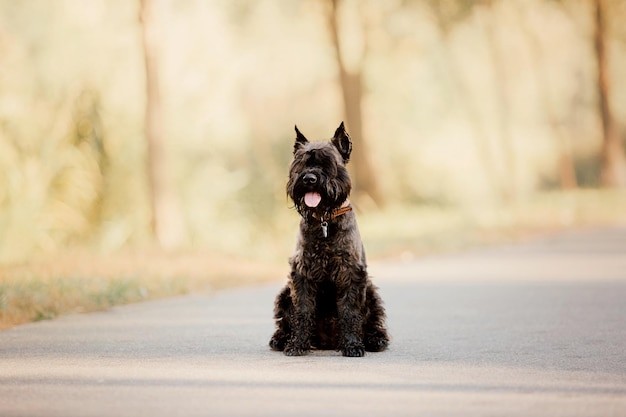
(84, 282)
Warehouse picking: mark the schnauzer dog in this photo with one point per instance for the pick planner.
(329, 301)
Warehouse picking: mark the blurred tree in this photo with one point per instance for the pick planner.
(448, 14)
(567, 169)
(613, 171)
(489, 21)
(365, 182)
(167, 224)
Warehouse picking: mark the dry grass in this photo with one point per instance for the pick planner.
(82, 282)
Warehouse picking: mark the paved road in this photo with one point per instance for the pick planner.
(530, 330)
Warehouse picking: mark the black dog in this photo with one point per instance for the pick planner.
(329, 301)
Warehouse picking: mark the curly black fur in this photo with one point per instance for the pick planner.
(329, 301)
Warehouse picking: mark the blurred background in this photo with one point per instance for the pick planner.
(168, 125)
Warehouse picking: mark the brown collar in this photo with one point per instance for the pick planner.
(346, 207)
(338, 212)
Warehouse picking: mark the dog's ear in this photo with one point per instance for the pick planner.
(342, 142)
(300, 140)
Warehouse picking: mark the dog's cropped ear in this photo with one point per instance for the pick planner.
(342, 142)
(300, 140)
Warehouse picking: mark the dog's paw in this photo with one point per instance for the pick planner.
(277, 344)
(376, 343)
(353, 351)
(294, 351)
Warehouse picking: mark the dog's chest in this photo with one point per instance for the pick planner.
(325, 261)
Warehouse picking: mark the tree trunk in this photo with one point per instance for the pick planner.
(166, 222)
(364, 180)
(613, 170)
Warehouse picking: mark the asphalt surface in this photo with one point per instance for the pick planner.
(537, 329)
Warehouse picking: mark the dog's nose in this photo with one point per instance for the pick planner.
(309, 179)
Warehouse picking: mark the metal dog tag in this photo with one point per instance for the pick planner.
(325, 228)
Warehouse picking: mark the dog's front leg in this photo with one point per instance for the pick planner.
(350, 303)
(303, 296)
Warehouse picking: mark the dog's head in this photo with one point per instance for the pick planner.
(318, 179)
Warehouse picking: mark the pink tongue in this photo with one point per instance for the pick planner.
(312, 199)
